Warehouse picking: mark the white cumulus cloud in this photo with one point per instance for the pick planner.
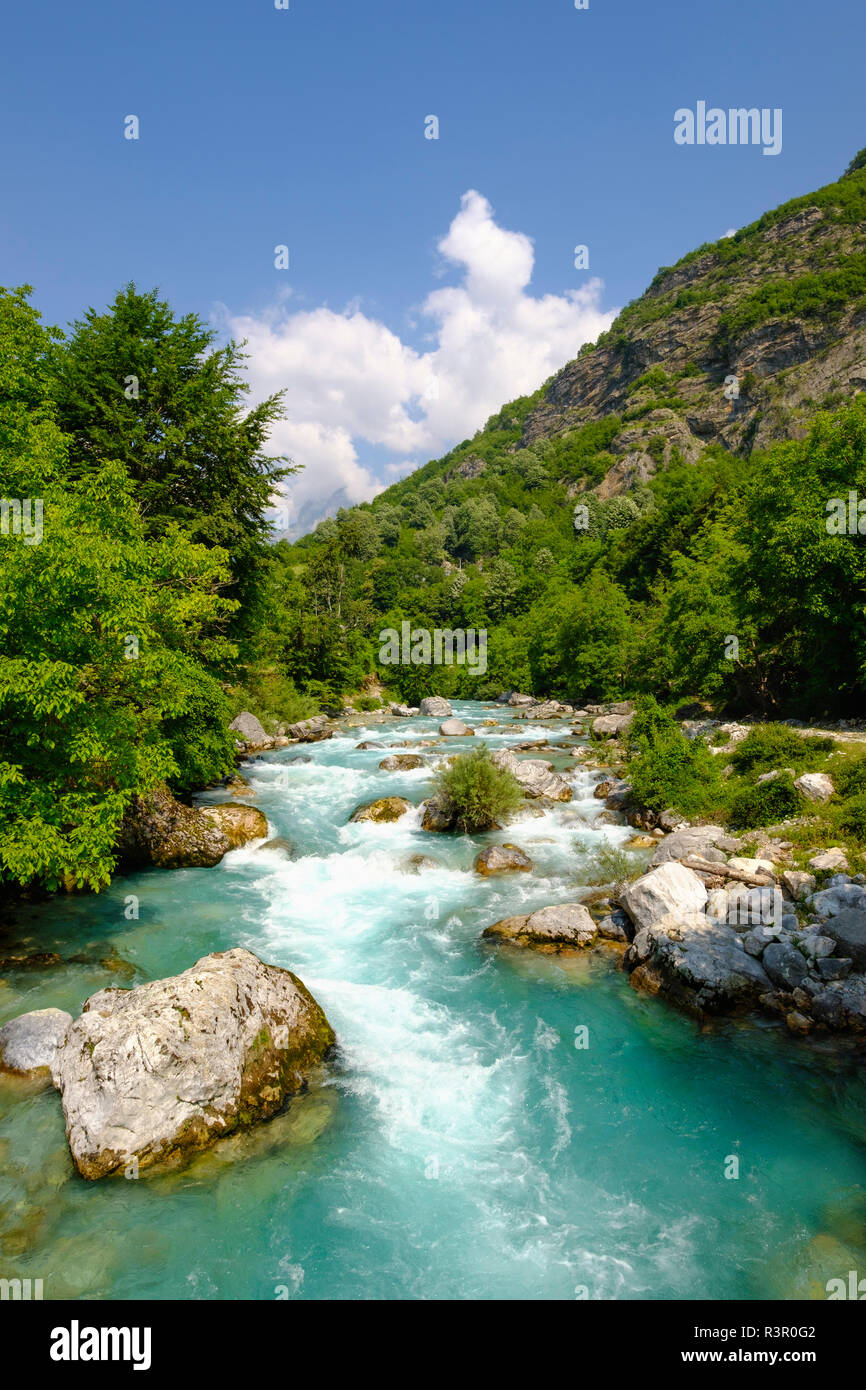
(350, 380)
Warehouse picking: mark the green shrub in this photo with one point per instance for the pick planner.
(666, 768)
(767, 746)
(478, 792)
(766, 803)
(849, 777)
(367, 702)
(852, 820)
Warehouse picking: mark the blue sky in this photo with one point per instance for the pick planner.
(305, 127)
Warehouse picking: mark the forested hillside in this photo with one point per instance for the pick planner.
(704, 436)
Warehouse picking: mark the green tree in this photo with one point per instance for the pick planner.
(138, 384)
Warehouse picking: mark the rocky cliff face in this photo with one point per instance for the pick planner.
(781, 306)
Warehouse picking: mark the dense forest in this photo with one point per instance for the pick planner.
(675, 539)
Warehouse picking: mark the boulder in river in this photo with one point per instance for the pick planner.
(455, 728)
(401, 762)
(311, 730)
(29, 1043)
(438, 814)
(695, 961)
(160, 831)
(535, 776)
(387, 808)
(502, 859)
(239, 824)
(561, 925)
(611, 725)
(164, 1070)
(435, 706)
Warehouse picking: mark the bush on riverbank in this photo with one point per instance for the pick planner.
(478, 792)
(668, 770)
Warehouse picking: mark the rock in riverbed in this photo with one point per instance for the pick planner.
(387, 808)
(562, 925)
(455, 728)
(435, 706)
(238, 823)
(160, 831)
(401, 762)
(29, 1043)
(502, 859)
(669, 888)
(535, 776)
(697, 963)
(164, 1070)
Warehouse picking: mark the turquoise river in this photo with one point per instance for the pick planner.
(461, 1144)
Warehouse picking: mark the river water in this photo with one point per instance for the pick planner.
(461, 1145)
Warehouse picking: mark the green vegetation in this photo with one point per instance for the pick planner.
(668, 770)
(478, 793)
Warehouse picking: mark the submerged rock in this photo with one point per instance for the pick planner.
(239, 824)
(561, 925)
(280, 844)
(387, 808)
(502, 859)
(29, 1043)
(163, 1070)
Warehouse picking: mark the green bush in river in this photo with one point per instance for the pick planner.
(478, 792)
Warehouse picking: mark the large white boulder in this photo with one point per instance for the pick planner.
(163, 1070)
(815, 786)
(436, 706)
(669, 888)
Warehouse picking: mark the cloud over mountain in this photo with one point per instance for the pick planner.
(350, 380)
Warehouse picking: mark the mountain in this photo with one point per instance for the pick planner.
(663, 434)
